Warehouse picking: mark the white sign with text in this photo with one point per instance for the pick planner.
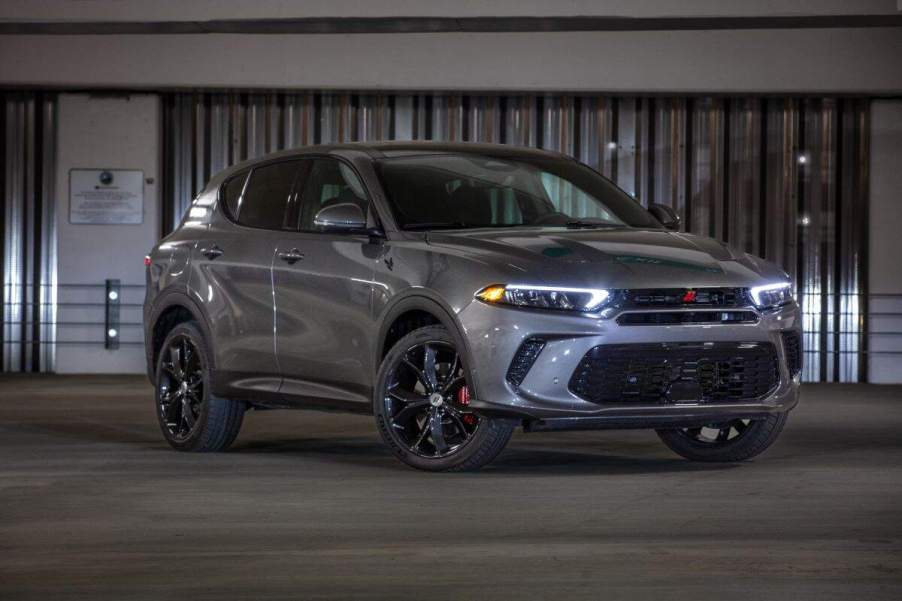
(106, 196)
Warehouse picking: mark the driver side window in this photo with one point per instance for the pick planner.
(330, 182)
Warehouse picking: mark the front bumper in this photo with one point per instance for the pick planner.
(543, 399)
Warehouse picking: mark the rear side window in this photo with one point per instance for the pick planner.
(231, 194)
(267, 194)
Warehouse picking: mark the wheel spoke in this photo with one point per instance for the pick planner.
(724, 434)
(406, 396)
(411, 410)
(418, 373)
(458, 423)
(436, 433)
(170, 410)
(695, 433)
(453, 382)
(186, 356)
(175, 360)
(429, 366)
(423, 433)
(187, 414)
(452, 371)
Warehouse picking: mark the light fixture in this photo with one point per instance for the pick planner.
(773, 295)
(560, 298)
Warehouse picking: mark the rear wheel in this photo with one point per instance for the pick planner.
(190, 417)
(736, 440)
(422, 406)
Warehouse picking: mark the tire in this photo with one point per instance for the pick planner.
(470, 440)
(214, 422)
(752, 438)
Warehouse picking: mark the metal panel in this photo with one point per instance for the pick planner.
(784, 178)
(27, 170)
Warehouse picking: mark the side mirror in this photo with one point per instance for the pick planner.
(666, 215)
(345, 216)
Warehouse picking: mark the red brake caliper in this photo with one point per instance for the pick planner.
(463, 399)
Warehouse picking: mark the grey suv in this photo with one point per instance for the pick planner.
(455, 292)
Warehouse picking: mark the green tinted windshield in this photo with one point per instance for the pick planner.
(467, 190)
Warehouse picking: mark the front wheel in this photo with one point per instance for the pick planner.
(422, 408)
(736, 440)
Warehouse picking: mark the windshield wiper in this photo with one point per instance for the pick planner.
(435, 225)
(577, 224)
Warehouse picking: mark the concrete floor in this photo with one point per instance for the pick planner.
(94, 505)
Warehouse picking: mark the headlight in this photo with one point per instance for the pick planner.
(772, 295)
(545, 297)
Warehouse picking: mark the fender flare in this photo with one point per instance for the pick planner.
(166, 300)
(424, 300)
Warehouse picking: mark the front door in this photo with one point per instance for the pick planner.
(323, 289)
(233, 278)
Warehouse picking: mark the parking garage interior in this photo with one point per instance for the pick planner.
(775, 127)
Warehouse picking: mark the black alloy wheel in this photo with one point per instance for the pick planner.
(426, 401)
(422, 406)
(180, 394)
(191, 417)
(735, 440)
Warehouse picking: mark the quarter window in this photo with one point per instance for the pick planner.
(231, 194)
(266, 196)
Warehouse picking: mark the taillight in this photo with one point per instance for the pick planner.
(147, 261)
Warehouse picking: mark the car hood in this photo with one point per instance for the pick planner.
(615, 258)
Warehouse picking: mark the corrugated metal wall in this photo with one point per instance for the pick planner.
(27, 170)
(783, 178)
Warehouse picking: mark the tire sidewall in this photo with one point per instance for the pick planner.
(427, 334)
(193, 333)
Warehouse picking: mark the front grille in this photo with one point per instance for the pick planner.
(672, 372)
(522, 362)
(683, 297)
(792, 348)
(671, 318)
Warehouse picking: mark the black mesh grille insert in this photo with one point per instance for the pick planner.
(670, 372)
(522, 362)
(668, 318)
(792, 347)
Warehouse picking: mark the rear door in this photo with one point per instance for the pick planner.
(234, 269)
(323, 288)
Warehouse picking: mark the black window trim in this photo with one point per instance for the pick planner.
(293, 195)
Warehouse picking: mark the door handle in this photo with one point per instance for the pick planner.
(292, 256)
(211, 252)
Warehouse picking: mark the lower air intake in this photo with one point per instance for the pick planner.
(792, 348)
(523, 360)
(674, 372)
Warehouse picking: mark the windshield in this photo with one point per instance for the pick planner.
(465, 190)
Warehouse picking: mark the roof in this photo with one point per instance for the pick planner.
(379, 150)
(388, 149)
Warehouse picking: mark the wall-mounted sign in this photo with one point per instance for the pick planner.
(106, 196)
